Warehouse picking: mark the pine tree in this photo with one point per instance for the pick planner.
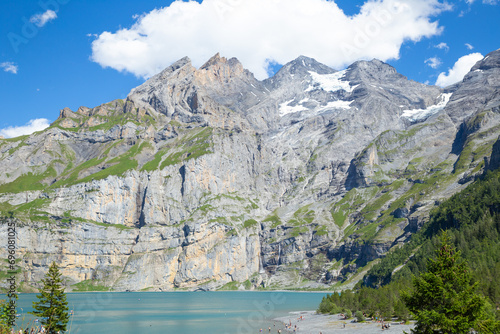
(444, 300)
(52, 306)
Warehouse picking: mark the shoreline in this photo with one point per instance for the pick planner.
(333, 324)
(182, 291)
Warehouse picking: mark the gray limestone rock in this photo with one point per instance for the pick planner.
(204, 177)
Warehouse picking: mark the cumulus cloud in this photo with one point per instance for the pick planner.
(442, 46)
(459, 70)
(261, 32)
(32, 126)
(9, 67)
(42, 19)
(433, 62)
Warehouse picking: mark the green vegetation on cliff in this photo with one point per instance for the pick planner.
(28, 181)
(471, 218)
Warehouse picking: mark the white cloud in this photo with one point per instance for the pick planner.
(459, 70)
(486, 2)
(433, 62)
(9, 67)
(42, 19)
(470, 47)
(32, 126)
(442, 46)
(260, 31)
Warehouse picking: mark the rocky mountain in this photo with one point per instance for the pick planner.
(209, 178)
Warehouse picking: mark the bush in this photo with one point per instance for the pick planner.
(325, 306)
(335, 309)
(4, 317)
(359, 316)
(348, 314)
(401, 311)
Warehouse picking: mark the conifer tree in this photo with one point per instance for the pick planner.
(52, 306)
(444, 300)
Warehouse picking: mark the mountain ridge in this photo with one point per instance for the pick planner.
(207, 177)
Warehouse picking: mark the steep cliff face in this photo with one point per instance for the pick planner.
(208, 178)
(153, 257)
(494, 161)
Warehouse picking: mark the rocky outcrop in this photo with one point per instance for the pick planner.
(478, 90)
(157, 258)
(494, 160)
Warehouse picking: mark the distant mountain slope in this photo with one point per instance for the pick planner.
(472, 220)
(205, 178)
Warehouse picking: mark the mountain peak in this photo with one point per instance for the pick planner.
(221, 69)
(215, 59)
(373, 64)
(157, 79)
(377, 70)
(174, 67)
(304, 64)
(296, 70)
(492, 60)
(218, 61)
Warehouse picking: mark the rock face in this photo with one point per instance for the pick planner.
(208, 178)
(494, 161)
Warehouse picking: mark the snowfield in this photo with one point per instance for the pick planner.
(415, 115)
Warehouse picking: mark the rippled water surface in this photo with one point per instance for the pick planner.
(177, 312)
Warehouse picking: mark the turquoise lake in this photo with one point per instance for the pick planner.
(177, 312)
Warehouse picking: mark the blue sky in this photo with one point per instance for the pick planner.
(68, 53)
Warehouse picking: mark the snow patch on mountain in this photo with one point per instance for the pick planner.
(415, 115)
(339, 104)
(330, 82)
(286, 109)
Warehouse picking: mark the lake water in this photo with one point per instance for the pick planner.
(177, 312)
